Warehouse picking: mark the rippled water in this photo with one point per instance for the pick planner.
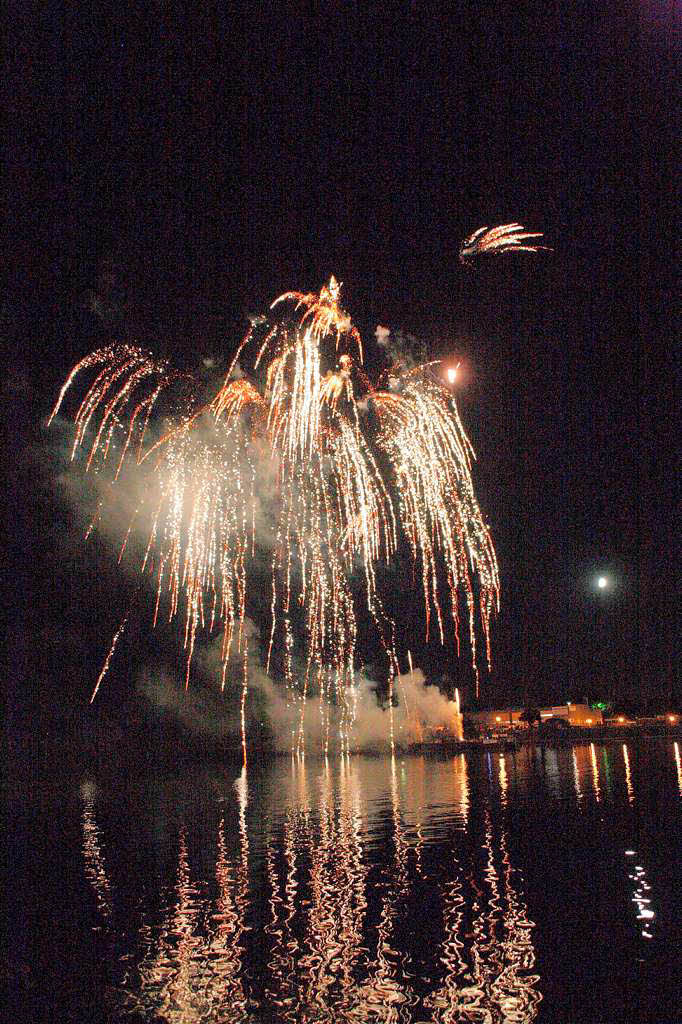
(536, 887)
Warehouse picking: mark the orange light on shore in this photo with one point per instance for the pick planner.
(452, 374)
(672, 719)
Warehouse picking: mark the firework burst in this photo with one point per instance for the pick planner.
(348, 487)
(504, 238)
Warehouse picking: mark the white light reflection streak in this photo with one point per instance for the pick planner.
(641, 897)
(449, 998)
(193, 970)
(576, 779)
(224, 989)
(515, 989)
(383, 997)
(679, 766)
(284, 956)
(243, 889)
(421, 800)
(92, 853)
(279, 966)
(504, 781)
(628, 776)
(488, 953)
(464, 776)
(169, 975)
(595, 772)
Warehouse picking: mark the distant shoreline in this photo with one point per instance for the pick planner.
(25, 765)
(568, 738)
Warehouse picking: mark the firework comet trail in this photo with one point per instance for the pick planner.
(504, 238)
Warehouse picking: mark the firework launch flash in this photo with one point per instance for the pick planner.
(348, 487)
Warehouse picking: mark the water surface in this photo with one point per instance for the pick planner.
(542, 886)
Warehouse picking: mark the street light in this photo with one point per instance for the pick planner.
(602, 582)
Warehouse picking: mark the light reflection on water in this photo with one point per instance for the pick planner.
(628, 774)
(641, 895)
(595, 772)
(328, 882)
(95, 870)
(194, 961)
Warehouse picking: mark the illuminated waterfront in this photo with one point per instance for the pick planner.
(487, 887)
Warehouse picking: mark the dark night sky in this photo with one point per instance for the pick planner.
(223, 159)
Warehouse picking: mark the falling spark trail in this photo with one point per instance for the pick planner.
(107, 660)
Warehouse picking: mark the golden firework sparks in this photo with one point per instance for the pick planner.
(344, 492)
(504, 238)
(324, 312)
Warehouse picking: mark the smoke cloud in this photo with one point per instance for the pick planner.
(421, 711)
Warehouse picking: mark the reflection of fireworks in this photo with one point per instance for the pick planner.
(348, 486)
(344, 855)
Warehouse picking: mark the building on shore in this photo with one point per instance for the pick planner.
(506, 718)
